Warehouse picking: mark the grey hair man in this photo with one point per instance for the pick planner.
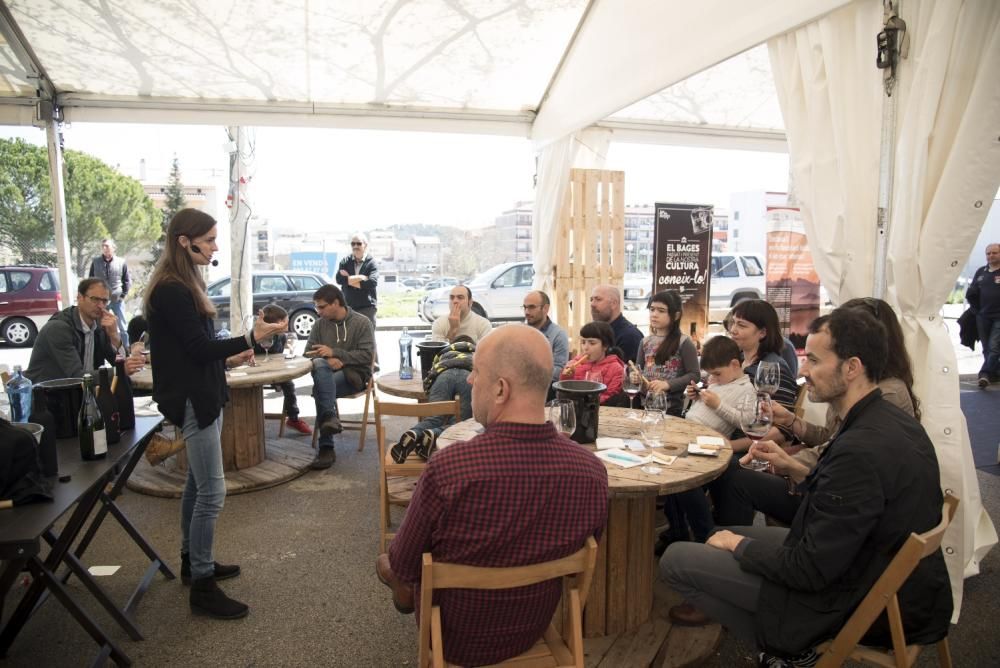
(114, 271)
(606, 306)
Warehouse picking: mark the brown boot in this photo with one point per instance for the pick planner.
(161, 448)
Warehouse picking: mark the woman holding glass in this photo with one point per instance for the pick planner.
(190, 389)
(667, 357)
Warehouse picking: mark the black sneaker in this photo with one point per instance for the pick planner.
(330, 425)
(984, 382)
(324, 459)
(402, 449)
(222, 571)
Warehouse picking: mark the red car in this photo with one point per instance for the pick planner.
(29, 296)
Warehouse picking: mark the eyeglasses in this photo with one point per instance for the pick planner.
(320, 306)
(98, 300)
(357, 243)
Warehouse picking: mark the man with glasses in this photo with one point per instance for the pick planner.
(342, 343)
(80, 338)
(115, 272)
(536, 314)
(357, 277)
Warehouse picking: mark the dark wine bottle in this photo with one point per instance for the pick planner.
(108, 405)
(47, 446)
(93, 439)
(123, 395)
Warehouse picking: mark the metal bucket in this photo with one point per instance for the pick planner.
(428, 350)
(64, 396)
(586, 398)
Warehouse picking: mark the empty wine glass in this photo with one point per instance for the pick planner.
(652, 419)
(595, 376)
(756, 416)
(631, 384)
(291, 340)
(768, 378)
(562, 414)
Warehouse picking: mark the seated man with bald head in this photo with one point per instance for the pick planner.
(520, 493)
(606, 306)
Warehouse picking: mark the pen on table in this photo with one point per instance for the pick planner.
(622, 458)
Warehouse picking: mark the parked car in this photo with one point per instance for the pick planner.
(29, 296)
(497, 293)
(291, 290)
(412, 284)
(443, 282)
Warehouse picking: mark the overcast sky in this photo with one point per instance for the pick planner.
(343, 180)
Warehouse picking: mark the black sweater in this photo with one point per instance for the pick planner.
(188, 362)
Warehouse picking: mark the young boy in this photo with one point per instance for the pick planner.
(274, 313)
(716, 407)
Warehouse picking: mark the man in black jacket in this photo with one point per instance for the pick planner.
(984, 299)
(114, 271)
(357, 276)
(80, 338)
(790, 589)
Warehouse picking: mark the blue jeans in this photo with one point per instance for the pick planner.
(115, 306)
(449, 383)
(327, 385)
(989, 334)
(204, 492)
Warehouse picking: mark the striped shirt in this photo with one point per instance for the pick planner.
(518, 494)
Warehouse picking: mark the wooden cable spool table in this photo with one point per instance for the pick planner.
(391, 383)
(621, 596)
(244, 446)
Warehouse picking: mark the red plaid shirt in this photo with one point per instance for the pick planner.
(515, 495)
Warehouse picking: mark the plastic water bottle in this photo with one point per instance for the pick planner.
(223, 334)
(19, 393)
(405, 356)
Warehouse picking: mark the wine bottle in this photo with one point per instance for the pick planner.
(93, 440)
(47, 446)
(123, 394)
(108, 405)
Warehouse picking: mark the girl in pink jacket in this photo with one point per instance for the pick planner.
(599, 361)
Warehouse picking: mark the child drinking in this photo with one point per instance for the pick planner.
(599, 360)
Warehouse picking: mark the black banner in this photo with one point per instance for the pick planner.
(683, 243)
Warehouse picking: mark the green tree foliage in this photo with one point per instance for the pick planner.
(100, 203)
(25, 201)
(175, 202)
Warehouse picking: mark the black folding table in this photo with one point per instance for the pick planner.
(24, 528)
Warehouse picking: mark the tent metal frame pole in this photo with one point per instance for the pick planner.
(239, 223)
(67, 277)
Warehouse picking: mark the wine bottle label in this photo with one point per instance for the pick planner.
(100, 442)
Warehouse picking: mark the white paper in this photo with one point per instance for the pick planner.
(711, 440)
(621, 458)
(666, 460)
(634, 444)
(608, 442)
(695, 449)
(99, 571)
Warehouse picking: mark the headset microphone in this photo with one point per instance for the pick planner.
(194, 247)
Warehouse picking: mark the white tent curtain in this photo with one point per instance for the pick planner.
(947, 168)
(586, 149)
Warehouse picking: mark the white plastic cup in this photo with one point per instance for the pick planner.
(32, 428)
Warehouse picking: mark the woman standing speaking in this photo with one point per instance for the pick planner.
(189, 385)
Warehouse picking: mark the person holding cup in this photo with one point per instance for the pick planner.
(189, 386)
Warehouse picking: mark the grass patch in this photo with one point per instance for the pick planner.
(400, 304)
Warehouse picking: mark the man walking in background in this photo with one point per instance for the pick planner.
(115, 272)
(983, 296)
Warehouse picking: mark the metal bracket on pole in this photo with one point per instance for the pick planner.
(892, 45)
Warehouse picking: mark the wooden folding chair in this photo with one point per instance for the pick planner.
(396, 481)
(552, 649)
(882, 596)
(362, 424)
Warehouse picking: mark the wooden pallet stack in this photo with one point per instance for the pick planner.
(590, 244)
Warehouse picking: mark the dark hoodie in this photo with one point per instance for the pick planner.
(352, 341)
(58, 349)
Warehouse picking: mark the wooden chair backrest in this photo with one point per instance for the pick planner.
(400, 409)
(882, 595)
(438, 575)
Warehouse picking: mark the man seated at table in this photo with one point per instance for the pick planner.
(536, 314)
(878, 481)
(79, 338)
(290, 407)
(460, 321)
(342, 343)
(606, 306)
(518, 494)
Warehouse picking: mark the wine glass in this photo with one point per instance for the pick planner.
(631, 384)
(768, 378)
(595, 376)
(562, 414)
(756, 416)
(291, 340)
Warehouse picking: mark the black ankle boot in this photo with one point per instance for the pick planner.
(222, 571)
(208, 599)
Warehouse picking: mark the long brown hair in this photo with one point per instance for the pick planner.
(897, 363)
(176, 266)
(672, 337)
